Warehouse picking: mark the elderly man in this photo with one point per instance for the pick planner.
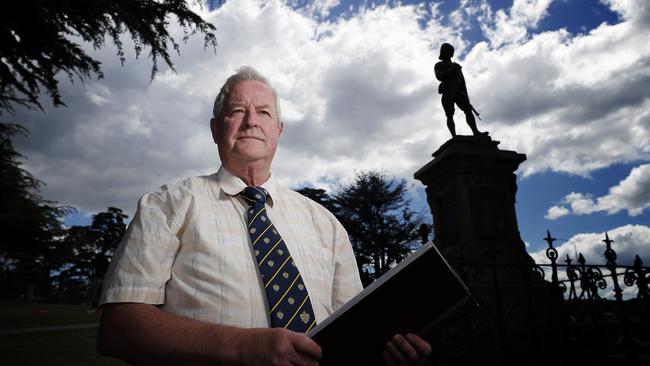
(231, 268)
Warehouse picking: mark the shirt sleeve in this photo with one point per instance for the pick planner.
(346, 282)
(141, 265)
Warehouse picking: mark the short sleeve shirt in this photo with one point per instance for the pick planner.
(187, 250)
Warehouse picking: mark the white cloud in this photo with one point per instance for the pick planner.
(358, 93)
(321, 8)
(508, 27)
(572, 103)
(628, 241)
(556, 212)
(631, 194)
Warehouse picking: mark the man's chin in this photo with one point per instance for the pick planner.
(250, 155)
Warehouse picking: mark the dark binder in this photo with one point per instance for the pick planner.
(417, 296)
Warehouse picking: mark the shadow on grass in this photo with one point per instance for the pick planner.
(59, 347)
(66, 347)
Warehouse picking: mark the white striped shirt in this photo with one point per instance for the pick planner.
(188, 250)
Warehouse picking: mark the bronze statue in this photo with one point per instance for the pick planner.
(454, 91)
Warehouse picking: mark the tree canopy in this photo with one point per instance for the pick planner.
(30, 225)
(41, 38)
(91, 249)
(382, 228)
(319, 195)
(375, 211)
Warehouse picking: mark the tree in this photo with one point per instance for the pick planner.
(92, 248)
(39, 39)
(30, 226)
(382, 228)
(320, 196)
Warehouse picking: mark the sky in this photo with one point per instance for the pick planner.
(565, 82)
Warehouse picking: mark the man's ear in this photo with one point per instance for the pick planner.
(281, 127)
(214, 129)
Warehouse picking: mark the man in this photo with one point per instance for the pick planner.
(453, 90)
(189, 282)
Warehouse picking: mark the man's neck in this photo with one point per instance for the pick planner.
(252, 174)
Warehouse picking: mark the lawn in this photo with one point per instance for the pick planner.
(58, 347)
(19, 315)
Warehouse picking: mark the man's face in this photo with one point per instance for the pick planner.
(248, 130)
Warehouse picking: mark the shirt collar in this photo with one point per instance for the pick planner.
(233, 185)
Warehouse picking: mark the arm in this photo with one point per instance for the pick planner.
(133, 329)
(142, 334)
(445, 70)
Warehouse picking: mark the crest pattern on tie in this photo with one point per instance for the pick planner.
(286, 293)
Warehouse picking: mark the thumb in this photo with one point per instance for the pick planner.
(307, 346)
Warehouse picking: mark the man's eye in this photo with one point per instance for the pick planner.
(266, 113)
(236, 110)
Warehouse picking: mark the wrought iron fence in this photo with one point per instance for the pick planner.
(558, 313)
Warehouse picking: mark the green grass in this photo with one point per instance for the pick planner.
(51, 348)
(18, 315)
(65, 347)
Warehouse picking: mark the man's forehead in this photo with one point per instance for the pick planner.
(251, 89)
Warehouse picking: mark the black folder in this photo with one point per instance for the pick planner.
(417, 296)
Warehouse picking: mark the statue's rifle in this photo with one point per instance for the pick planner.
(478, 115)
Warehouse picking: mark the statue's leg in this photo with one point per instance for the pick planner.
(448, 106)
(451, 126)
(463, 104)
(471, 121)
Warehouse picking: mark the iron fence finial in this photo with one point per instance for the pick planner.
(549, 239)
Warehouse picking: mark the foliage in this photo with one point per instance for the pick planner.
(91, 250)
(320, 196)
(382, 228)
(377, 216)
(40, 38)
(30, 225)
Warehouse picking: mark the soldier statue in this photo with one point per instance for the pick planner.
(453, 90)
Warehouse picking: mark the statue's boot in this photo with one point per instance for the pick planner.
(472, 124)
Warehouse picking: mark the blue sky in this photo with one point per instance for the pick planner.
(564, 82)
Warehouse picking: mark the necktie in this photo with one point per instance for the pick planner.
(286, 293)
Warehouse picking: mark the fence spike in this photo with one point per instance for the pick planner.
(637, 261)
(549, 239)
(568, 260)
(608, 241)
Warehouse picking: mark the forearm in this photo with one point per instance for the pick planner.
(143, 334)
(446, 72)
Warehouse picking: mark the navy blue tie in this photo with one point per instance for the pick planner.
(287, 296)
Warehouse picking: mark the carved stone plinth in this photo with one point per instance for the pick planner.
(471, 186)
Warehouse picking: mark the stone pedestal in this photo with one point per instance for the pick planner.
(471, 186)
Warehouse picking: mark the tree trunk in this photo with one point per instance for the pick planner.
(29, 292)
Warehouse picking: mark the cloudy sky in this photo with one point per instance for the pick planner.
(567, 82)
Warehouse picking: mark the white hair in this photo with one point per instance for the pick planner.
(244, 73)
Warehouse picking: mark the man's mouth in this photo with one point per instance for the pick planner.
(250, 137)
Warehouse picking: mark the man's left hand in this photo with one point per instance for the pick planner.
(410, 350)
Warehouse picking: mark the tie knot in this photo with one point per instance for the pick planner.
(254, 195)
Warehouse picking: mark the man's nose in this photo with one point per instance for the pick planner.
(250, 119)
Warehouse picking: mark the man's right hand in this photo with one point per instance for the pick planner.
(142, 334)
(277, 346)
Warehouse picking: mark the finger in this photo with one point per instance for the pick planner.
(422, 347)
(307, 347)
(395, 353)
(388, 359)
(302, 360)
(405, 348)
